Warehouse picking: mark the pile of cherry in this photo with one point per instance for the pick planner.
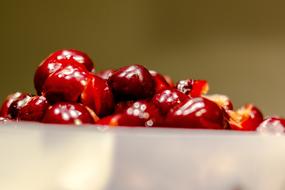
(69, 91)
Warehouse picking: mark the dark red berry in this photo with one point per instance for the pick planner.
(168, 99)
(98, 96)
(140, 113)
(43, 72)
(16, 105)
(66, 84)
(121, 107)
(4, 112)
(160, 82)
(197, 113)
(68, 113)
(132, 83)
(57, 61)
(34, 109)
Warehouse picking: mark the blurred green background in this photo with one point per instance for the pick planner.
(238, 46)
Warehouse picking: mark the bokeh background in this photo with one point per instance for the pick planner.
(238, 46)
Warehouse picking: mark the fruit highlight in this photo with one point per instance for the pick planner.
(69, 91)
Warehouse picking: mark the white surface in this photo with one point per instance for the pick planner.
(41, 157)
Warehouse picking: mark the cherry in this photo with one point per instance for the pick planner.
(17, 105)
(66, 84)
(5, 108)
(33, 109)
(132, 83)
(247, 118)
(98, 96)
(123, 106)
(69, 113)
(57, 61)
(140, 113)
(197, 113)
(105, 74)
(167, 99)
(160, 82)
(274, 125)
(43, 72)
(222, 100)
(193, 88)
(72, 55)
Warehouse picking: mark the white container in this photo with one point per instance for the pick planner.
(45, 157)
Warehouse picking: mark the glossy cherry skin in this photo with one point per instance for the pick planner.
(121, 107)
(57, 61)
(33, 110)
(132, 83)
(247, 118)
(72, 55)
(272, 125)
(140, 113)
(105, 74)
(197, 113)
(66, 85)
(16, 106)
(98, 96)
(160, 82)
(44, 70)
(193, 88)
(5, 108)
(68, 113)
(222, 101)
(167, 99)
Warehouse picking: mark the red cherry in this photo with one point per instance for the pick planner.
(141, 113)
(43, 72)
(193, 88)
(247, 118)
(72, 55)
(132, 83)
(106, 74)
(273, 125)
(69, 113)
(57, 61)
(222, 101)
(167, 99)
(4, 112)
(121, 107)
(98, 96)
(17, 105)
(33, 109)
(160, 82)
(197, 113)
(66, 84)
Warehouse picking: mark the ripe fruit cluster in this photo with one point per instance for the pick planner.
(69, 91)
